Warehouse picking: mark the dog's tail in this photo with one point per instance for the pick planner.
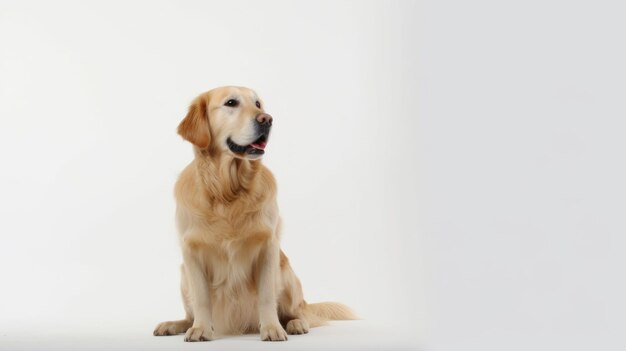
(321, 312)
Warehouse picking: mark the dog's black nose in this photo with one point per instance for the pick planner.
(264, 119)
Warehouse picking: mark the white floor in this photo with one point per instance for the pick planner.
(349, 335)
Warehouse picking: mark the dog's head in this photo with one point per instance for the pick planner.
(230, 120)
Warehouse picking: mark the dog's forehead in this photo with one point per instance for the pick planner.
(237, 92)
(248, 93)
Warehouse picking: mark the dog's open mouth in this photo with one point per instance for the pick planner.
(255, 148)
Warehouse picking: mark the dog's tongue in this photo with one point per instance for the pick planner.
(259, 145)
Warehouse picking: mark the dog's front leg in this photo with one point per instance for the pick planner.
(267, 286)
(202, 328)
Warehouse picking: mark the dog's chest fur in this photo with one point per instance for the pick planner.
(227, 237)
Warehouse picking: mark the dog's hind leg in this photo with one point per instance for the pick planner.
(291, 304)
(179, 326)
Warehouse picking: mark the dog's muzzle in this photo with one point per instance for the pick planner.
(263, 125)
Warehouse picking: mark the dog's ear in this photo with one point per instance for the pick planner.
(195, 126)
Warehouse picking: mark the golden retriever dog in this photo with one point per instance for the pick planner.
(235, 277)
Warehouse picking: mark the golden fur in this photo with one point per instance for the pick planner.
(235, 278)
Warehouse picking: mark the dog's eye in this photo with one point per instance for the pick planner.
(232, 103)
(258, 104)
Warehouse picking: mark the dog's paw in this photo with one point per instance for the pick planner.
(172, 327)
(297, 326)
(199, 334)
(273, 332)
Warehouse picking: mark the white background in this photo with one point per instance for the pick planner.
(452, 170)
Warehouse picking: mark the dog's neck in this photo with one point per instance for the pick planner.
(225, 177)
